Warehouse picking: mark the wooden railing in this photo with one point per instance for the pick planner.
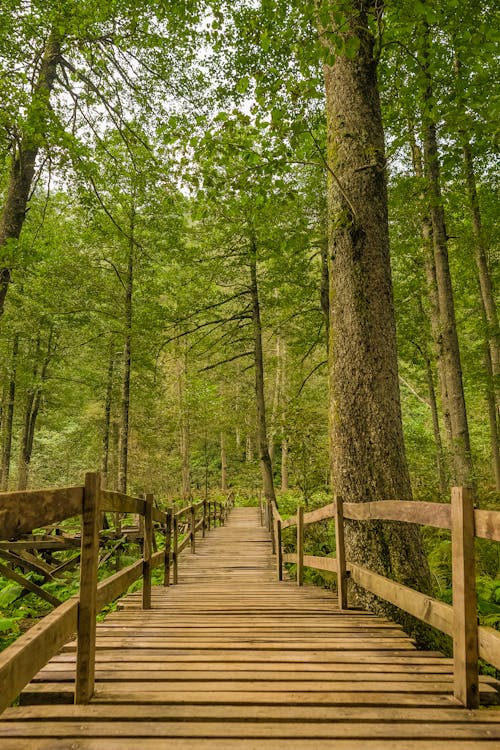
(21, 512)
(470, 641)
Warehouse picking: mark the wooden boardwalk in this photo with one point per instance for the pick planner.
(230, 658)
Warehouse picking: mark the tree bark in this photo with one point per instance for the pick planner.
(368, 455)
(223, 464)
(430, 273)
(265, 459)
(25, 152)
(461, 454)
(33, 402)
(325, 289)
(127, 360)
(9, 417)
(184, 436)
(107, 417)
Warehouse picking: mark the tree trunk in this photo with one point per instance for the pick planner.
(284, 463)
(492, 418)
(440, 465)
(223, 464)
(33, 402)
(26, 149)
(184, 436)
(277, 397)
(248, 449)
(368, 455)
(430, 273)
(107, 417)
(265, 459)
(127, 361)
(9, 418)
(461, 455)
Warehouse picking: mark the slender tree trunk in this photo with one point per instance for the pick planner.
(25, 151)
(492, 418)
(33, 402)
(368, 461)
(461, 454)
(223, 463)
(265, 459)
(440, 466)
(184, 436)
(127, 360)
(277, 398)
(107, 417)
(430, 273)
(9, 418)
(284, 463)
(248, 449)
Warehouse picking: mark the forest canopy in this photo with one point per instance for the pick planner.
(194, 269)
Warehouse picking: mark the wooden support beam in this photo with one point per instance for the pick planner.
(175, 553)
(465, 635)
(204, 526)
(87, 610)
(279, 550)
(148, 550)
(300, 545)
(340, 553)
(29, 585)
(168, 547)
(192, 528)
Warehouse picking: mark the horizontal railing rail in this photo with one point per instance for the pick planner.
(470, 640)
(21, 512)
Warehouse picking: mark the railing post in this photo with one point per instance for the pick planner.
(204, 524)
(175, 553)
(192, 519)
(465, 635)
(279, 550)
(300, 545)
(87, 608)
(340, 553)
(148, 547)
(168, 545)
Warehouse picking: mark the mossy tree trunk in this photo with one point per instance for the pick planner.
(368, 455)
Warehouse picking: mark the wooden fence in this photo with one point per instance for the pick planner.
(459, 620)
(21, 512)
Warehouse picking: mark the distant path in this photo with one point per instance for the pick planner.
(230, 659)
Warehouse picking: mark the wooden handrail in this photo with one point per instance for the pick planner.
(21, 512)
(459, 620)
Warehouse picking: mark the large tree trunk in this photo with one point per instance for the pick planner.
(265, 459)
(25, 151)
(450, 352)
(325, 289)
(9, 417)
(368, 461)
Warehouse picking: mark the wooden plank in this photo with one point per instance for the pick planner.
(300, 545)
(25, 559)
(340, 553)
(87, 609)
(320, 514)
(465, 637)
(148, 551)
(29, 585)
(119, 502)
(429, 610)
(25, 510)
(114, 586)
(487, 524)
(320, 563)
(489, 645)
(20, 661)
(408, 511)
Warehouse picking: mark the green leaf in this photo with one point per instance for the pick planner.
(242, 85)
(351, 47)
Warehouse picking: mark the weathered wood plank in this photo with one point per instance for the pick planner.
(25, 510)
(408, 511)
(118, 502)
(487, 524)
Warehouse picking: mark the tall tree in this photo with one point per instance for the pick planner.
(368, 461)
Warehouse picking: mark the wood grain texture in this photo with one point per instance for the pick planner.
(232, 659)
(25, 510)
